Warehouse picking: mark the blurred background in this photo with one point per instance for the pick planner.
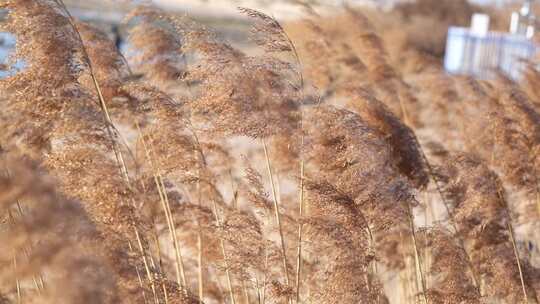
(430, 29)
(405, 25)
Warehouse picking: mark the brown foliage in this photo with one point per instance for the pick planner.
(193, 171)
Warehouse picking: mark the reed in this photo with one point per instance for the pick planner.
(320, 164)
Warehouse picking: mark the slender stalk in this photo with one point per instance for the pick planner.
(159, 271)
(405, 275)
(518, 261)
(404, 112)
(109, 126)
(149, 274)
(276, 212)
(165, 293)
(300, 76)
(246, 292)
(510, 229)
(536, 181)
(17, 282)
(158, 247)
(139, 277)
(158, 266)
(219, 286)
(259, 294)
(417, 254)
(373, 264)
(301, 186)
(41, 283)
(146, 267)
(225, 258)
(511, 232)
(199, 266)
(300, 227)
(537, 195)
(143, 254)
(234, 190)
(163, 197)
(265, 275)
(175, 237)
(199, 246)
(427, 253)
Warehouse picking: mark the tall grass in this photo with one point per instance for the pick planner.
(322, 169)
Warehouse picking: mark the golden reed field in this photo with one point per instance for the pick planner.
(330, 161)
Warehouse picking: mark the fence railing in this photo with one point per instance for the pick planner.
(483, 55)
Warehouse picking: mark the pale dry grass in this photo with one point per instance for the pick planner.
(326, 168)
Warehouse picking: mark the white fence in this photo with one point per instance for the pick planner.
(480, 55)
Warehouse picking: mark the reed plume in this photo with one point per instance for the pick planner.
(406, 149)
(499, 135)
(51, 236)
(484, 223)
(155, 49)
(448, 266)
(76, 141)
(358, 161)
(336, 221)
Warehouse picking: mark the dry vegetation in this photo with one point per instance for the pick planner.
(339, 165)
